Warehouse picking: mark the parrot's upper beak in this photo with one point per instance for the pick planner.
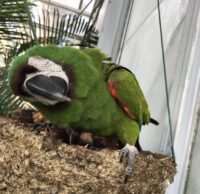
(51, 88)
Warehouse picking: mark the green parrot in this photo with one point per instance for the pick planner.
(79, 89)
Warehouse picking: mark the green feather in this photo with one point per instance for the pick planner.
(130, 94)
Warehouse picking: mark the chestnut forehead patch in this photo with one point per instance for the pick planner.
(43, 64)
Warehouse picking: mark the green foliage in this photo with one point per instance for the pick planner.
(13, 18)
(58, 29)
(8, 102)
(13, 22)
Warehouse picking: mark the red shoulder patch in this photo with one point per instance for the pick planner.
(112, 86)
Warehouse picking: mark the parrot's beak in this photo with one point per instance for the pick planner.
(52, 88)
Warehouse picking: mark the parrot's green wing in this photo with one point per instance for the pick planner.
(124, 87)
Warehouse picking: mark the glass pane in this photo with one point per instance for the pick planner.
(89, 8)
(70, 3)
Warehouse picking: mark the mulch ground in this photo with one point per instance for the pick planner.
(40, 161)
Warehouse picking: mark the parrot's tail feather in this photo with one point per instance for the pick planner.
(153, 121)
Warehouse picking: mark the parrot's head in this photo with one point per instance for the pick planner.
(51, 75)
(41, 80)
(49, 84)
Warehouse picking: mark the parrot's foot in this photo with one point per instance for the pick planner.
(130, 151)
(38, 127)
(71, 135)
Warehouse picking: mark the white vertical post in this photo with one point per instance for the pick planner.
(187, 117)
(112, 32)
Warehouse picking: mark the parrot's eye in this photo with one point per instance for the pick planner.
(19, 78)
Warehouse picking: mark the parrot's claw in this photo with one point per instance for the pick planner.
(70, 134)
(129, 151)
(38, 127)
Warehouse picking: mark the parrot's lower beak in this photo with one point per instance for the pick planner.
(52, 88)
